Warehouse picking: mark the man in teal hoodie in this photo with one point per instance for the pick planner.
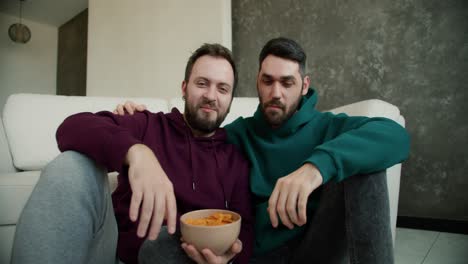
(307, 168)
(320, 193)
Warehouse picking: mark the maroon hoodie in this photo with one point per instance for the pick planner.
(206, 172)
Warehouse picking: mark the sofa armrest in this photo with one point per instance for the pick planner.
(379, 108)
(6, 162)
(370, 108)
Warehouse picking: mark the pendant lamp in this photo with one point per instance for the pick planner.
(19, 32)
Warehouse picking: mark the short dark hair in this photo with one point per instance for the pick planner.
(214, 50)
(284, 48)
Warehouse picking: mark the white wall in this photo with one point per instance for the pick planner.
(30, 67)
(140, 48)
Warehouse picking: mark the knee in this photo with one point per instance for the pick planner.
(369, 183)
(154, 247)
(165, 249)
(150, 252)
(71, 159)
(72, 170)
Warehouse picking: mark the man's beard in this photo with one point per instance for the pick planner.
(197, 121)
(277, 119)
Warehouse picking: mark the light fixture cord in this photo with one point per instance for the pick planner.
(21, 10)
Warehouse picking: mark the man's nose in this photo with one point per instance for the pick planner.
(276, 90)
(210, 93)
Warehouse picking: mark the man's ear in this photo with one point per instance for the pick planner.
(305, 85)
(184, 88)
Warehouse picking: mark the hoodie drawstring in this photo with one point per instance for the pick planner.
(191, 161)
(226, 204)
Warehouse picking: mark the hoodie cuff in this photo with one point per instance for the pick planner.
(324, 163)
(117, 147)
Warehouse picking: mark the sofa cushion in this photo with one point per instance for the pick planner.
(7, 234)
(15, 189)
(31, 121)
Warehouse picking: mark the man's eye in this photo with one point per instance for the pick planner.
(267, 81)
(202, 84)
(223, 90)
(288, 84)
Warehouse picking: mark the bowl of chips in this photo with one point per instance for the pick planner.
(214, 229)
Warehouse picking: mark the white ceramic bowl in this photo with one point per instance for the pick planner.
(216, 238)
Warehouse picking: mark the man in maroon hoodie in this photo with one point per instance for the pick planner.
(169, 164)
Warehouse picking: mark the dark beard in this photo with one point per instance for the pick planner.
(198, 123)
(279, 119)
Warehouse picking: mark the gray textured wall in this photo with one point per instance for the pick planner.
(72, 55)
(413, 54)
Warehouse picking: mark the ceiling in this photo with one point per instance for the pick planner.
(51, 12)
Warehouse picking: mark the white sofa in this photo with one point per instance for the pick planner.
(27, 144)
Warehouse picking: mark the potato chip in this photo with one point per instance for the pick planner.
(212, 220)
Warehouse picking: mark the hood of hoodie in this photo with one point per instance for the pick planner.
(210, 143)
(302, 116)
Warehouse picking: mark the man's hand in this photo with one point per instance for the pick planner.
(129, 107)
(289, 197)
(153, 197)
(206, 256)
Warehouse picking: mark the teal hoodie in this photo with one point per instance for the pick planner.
(338, 145)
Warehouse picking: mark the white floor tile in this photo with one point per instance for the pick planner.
(412, 245)
(449, 249)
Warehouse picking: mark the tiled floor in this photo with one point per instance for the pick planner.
(414, 246)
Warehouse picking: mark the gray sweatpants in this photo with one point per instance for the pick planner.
(69, 219)
(350, 226)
